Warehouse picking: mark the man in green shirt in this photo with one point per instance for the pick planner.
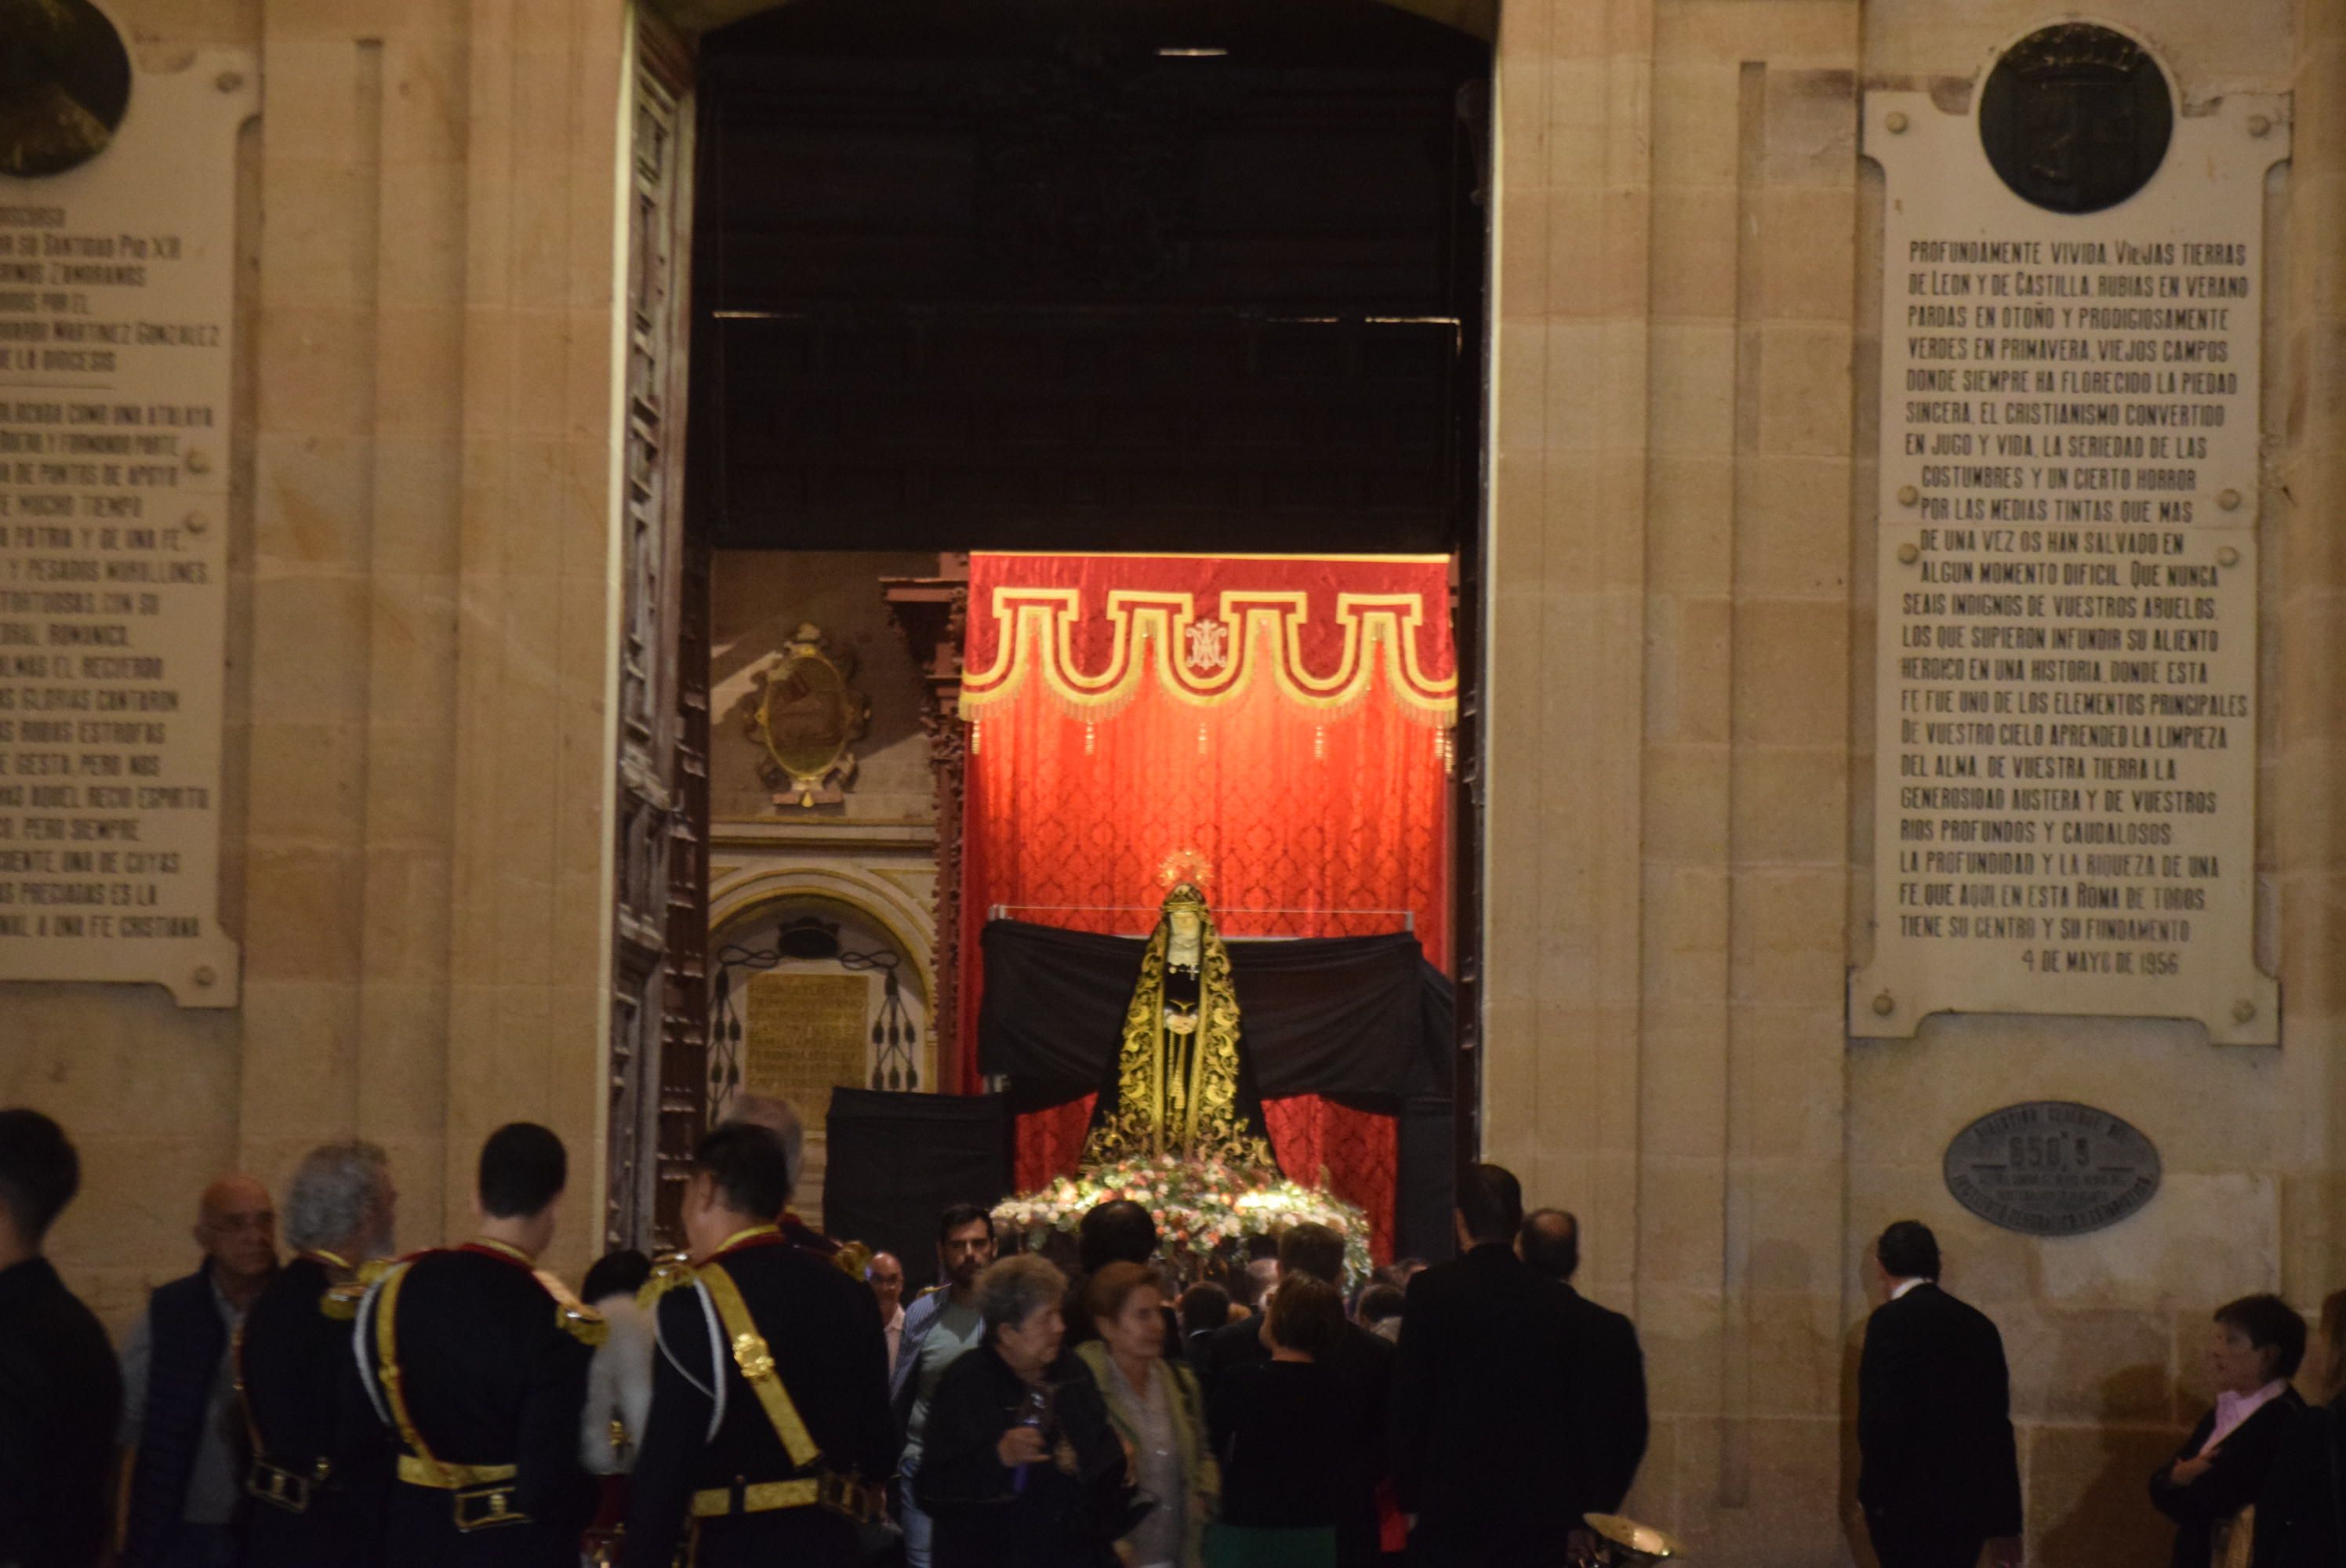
(938, 1327)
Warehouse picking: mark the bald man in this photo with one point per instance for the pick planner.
(885, 1275)
(179, 1410)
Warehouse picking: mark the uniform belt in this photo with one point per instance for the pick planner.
(840, 1493)
(288, 1487)
(762, 1496)
(442, 1476)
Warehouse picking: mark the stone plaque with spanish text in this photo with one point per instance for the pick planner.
(2066, 667)
(117, 223)
(805, 1035)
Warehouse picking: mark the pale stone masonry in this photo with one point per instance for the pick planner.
(1681, 630)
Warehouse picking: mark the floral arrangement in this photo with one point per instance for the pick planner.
(1202, 1208)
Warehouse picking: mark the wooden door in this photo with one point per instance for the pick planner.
(659, 970)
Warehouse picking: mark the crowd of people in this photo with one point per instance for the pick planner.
(758, 1402)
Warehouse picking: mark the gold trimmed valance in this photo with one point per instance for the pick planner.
(1095, 629)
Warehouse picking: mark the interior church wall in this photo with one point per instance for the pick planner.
(867, 860)
(757, 601)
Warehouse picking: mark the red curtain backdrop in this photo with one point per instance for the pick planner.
(1305, 773)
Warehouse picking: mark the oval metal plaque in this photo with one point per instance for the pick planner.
(2052, 1167)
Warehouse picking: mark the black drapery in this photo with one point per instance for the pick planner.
(1364, 1021)
(1344, 1016)
(894, 1161)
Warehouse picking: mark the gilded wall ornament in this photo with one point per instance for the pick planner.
(807, 718)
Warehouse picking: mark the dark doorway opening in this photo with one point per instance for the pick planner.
(1042, 274)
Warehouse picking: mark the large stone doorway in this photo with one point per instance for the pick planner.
(1184, 276)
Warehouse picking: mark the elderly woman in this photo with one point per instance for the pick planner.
(2223, 1465)
(1159, 1413)
(1019, 1467)
(2301, 1516)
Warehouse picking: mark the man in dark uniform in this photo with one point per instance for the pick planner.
(60, 1389)
(770, 1429)
(480, 1372)
(319, 1459)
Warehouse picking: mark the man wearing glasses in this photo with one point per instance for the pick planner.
(178, 1411)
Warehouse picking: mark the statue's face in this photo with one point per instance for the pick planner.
(1187, 925)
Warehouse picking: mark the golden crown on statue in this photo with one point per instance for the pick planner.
(1184, 866)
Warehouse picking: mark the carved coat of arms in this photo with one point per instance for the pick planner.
(807, 718)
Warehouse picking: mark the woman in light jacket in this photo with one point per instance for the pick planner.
(1156, 1409)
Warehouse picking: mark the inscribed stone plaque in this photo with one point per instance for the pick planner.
(117, 222)
(2052, 1167)
(2065, 663)
(807, 1034)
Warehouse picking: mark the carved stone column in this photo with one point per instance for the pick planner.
(932, 612)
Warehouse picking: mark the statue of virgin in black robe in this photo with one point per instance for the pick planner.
(1179, 1087)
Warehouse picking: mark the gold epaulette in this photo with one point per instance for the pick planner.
(852, 1259)
(578, 1320)
(340, 1302)
(670, 1269)
(582, 1323)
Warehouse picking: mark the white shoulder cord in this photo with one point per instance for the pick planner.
(716, 1361)
(360, 1333)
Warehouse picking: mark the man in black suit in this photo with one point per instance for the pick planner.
(1608, 1371)
(1937, 1476)
(1361, 1365)
(60, 1389)
(1482, 1447)
(1119, 1231)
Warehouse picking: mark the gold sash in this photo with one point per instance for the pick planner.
(756, 1360)
(483, 1494)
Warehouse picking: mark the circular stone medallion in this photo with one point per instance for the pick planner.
(65, 82)
(2076, 117)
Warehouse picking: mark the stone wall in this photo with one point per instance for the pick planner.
(418, 634)
(1681, 775)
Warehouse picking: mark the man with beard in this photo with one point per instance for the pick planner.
(938, 1327)
(319, 1460)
